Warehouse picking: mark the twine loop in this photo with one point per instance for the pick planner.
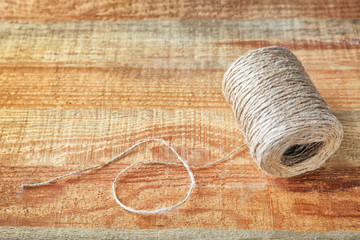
(122, 154)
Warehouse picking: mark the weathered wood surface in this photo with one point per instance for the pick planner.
(109, 10)
(74, 94)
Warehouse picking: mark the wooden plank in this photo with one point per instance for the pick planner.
(40, 144)
(155, 88)
(197, 44)
(107, 10)
(45, 137)
(98, 233)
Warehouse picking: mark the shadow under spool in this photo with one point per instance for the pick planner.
(287, 125)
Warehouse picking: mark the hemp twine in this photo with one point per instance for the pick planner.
(122, 154)
(287, 125)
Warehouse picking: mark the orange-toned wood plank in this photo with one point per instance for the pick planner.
(226, 197)
(106, 10)
(127, 88)
(73, 137)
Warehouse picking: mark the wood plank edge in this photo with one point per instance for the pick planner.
(8, 232)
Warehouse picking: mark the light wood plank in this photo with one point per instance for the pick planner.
(98, 233)
(177, 44)
(107, 10)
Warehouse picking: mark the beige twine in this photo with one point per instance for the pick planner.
(122, 154)
(288, 126)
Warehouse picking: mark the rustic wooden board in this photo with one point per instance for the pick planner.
(109, 10)
(89, 80)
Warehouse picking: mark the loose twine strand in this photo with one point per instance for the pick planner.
(122, 154)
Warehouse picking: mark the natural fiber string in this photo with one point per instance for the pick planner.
(287, 125)
(122, 154)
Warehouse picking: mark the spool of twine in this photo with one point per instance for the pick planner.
(287, 125)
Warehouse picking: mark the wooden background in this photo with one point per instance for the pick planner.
(80, 81)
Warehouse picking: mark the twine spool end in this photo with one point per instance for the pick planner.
(300, 152)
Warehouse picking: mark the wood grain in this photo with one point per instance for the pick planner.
(126, 88)
(193, 44)
(109, 10)
(87, 79)
(164, 234)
